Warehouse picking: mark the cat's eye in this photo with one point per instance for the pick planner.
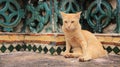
(72, 21)
(65, 21)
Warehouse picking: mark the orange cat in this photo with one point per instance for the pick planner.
(83, 43)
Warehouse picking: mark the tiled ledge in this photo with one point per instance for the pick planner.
(46, 43)
(45, 38)
(54, 38)
(111, 39)
(110, 34)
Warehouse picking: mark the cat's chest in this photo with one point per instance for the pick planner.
(74, 39)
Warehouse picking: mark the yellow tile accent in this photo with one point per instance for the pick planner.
(116, 39)
(108, 39)
(100, 38)
(4, 37)
(60, 39)
(16, 37)
(42, 38)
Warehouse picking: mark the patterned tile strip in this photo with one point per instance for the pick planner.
(47, 49)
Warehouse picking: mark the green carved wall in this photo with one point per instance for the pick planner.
(37, 16)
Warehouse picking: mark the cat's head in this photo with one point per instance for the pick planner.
(70, 21)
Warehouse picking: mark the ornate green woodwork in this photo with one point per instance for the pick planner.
(37, 17)
(10, 14)
(69, 6)
(117, 15)
(99, 15)
(96, 14)
(56, 16)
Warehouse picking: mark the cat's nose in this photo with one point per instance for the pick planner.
(68, 26)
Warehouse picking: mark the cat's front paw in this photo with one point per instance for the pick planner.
(67, 55)
(84, 58)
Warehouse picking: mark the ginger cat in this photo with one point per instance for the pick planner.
(84, 44)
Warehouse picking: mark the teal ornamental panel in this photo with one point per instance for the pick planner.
(117, 16)
(69, 6)
(99, 15)
(37, 16)
(56, 16)
(10, 14)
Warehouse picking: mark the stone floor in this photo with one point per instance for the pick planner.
(31, 59)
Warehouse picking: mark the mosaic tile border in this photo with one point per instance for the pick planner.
(7, 48)
(48, 49)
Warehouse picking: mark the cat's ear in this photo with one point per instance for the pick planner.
(62, 14)
(78, 14)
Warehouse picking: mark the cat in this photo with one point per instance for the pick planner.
(83, 44)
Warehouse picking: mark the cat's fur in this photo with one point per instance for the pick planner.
(83, 43)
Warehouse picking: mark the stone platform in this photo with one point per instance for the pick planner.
(31, 59)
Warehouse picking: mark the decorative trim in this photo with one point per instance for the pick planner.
(56, 38)
(48, 48)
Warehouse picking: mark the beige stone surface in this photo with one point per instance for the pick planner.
(30, 59)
